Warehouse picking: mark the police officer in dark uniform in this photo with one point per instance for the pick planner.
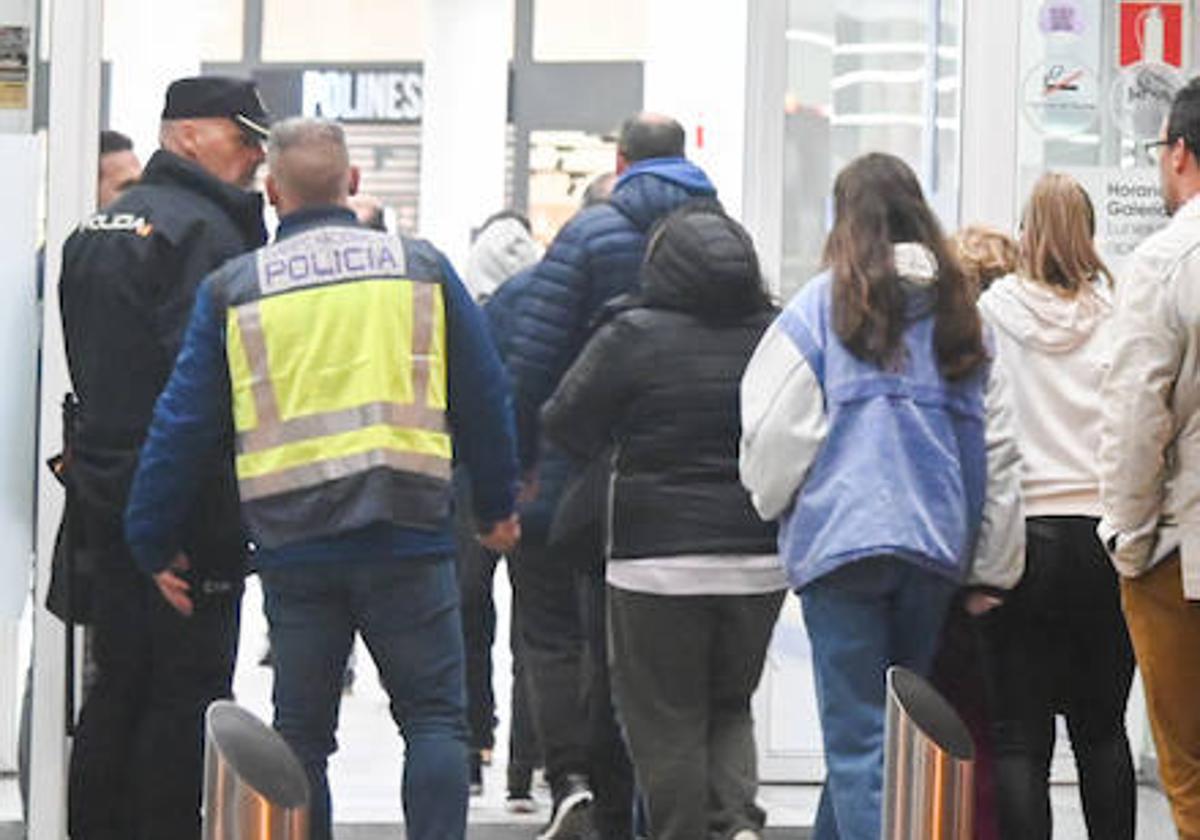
(129, 278)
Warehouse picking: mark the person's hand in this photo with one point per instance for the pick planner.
(979, 603)
(503, 536)
(174, 588)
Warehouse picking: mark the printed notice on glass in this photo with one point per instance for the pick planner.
(14, 67)
(1128, 205)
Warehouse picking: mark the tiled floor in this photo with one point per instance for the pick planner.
(365, 773)
(488, 823)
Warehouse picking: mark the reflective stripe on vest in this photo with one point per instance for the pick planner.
(331, 379)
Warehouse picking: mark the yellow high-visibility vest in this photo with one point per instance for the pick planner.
(336, 343)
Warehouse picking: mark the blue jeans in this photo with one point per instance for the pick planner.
(861, 619)
(407, 614)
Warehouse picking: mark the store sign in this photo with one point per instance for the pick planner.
(1129, 208)
(1152, 33)
(363, 95)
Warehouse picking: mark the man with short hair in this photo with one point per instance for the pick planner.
(128, 282)
(350, 365)
(1150, 462)
(119, 167)
(595, 257)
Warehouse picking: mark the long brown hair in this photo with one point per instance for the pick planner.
(878, 203)
(1057, 235)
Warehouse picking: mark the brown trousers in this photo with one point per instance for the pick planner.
(1165, 628)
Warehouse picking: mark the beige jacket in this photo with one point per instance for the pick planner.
(1150, 437)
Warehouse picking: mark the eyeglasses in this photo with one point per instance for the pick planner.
(1151, 145)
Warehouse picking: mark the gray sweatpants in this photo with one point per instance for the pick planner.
(684, 669)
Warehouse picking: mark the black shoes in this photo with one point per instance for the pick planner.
(475, 773)
(520, 781)
(572, 817)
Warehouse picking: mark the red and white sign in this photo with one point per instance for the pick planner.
(1152, 33)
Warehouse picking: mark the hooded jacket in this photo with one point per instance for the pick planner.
(856, 462)
(1055, 351)
(537, 513)
(501, 249)
(660, 382)
(595, 257)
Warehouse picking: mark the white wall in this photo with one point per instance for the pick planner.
(149, 45)
(697, 74)
(361, 30)
(71, 191)
(463, 127)
(989, 113)
(583, 30)
(18, 390)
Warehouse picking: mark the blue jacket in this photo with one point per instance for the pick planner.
(899, 463)
(595, 257)
(192, 420)
(554, 467)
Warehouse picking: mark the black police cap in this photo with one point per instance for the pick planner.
(218, 96)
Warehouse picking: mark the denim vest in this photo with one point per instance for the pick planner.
(903, 469)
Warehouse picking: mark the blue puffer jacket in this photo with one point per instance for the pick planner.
(595, 257)
(554, 468)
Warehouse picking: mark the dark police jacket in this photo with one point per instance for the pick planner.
(129, 279)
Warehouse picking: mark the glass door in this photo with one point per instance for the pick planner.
(1096, 82)
(854, 76)
(862, 76)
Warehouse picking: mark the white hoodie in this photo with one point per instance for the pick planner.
(1055, 351)
(499, 251)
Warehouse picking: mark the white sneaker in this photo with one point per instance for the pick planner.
(747, 834)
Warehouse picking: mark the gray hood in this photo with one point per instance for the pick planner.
(500, 250)
(1037, 316)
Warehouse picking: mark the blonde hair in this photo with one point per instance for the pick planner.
(986, 254)
(1057, 235)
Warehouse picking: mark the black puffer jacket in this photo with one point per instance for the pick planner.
(660, 381)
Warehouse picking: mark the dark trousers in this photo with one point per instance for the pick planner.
(609, 768)
(958, 674)
(137, 762)
(407, 614)
(551, 642)
(1059, 645)
(684, 670)
(476, 574)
